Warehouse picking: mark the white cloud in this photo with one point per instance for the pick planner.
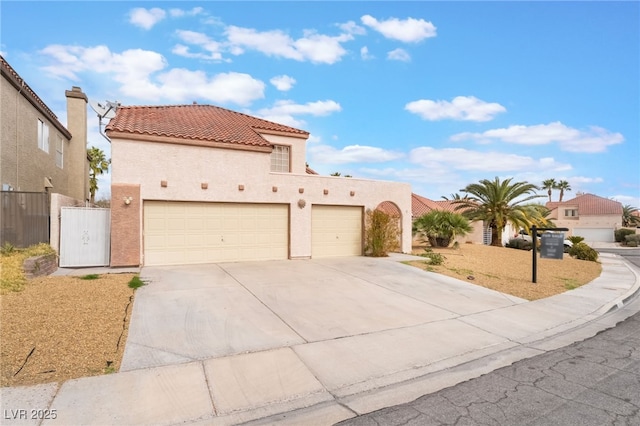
(406, 30)
(213, 48)
(284, 111)
(325, 154)
(468, 108)
(146, 18)
(352, 28)
(283, 82)
(593, 140)
(178, 13)
(463, 159)
(312, 47)
(399, 55)
(232, 87)
(139, 73)
(364, 53)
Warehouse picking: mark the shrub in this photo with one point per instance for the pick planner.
(575, 239)
(632, 240)
(583, 252)
(381, 233)
(434, 258)
(621, 233)
(441, 227)
(520, 244)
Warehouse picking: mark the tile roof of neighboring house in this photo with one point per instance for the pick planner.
(421, 205)
(589, 205)
(18, 82)
(202, 124)
(310, 171)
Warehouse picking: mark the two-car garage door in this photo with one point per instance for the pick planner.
(186, 233)
(190, 232)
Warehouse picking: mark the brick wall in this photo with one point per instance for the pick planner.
(38, 266)
(125, 225)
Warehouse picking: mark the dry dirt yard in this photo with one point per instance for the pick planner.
(59, 327)
(509, 270)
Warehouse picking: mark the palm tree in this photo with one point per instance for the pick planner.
(440, 227)
(498, 203)
(451, 197)
(629, 216)
(98, 164)
(549, 185)
(563, 186)
(539, 216)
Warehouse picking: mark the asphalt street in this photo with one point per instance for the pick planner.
(592, 382)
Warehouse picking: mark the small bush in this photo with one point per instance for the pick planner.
(632, 240)
(621, 233)
(90, 277)
(382, 233)
(520, 244)
(575, 239)
(583, 252)
(7, 249)
(434, 258)
(136, 282)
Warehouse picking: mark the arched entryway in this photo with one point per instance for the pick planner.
(390, 208)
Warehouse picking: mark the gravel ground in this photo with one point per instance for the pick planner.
(509, 270)
(63, 327)
(60, 328)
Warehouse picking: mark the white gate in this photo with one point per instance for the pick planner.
(85, 238)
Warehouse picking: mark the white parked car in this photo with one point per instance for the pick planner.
(525, 236)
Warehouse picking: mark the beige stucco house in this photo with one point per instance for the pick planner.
(590, 216)
(199, 183)
(38, 153)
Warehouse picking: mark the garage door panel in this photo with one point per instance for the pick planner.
(595, 234)
(182, 233)
(336, 231)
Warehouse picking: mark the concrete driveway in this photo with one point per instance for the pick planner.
(315, 342)
(198, 312)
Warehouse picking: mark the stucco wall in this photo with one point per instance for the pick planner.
(25, 168)
(602, 221)
(186, 168)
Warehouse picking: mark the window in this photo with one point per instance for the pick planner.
(280, 159)
(43, 136)
(60, 153)
(571, 213)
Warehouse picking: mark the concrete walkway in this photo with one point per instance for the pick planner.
(314, 342)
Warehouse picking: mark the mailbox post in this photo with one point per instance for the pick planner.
(549, 251)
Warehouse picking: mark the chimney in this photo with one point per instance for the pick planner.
(76, 154)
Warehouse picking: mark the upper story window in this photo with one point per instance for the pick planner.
(571, 213)
(280, 159)
(43, 136)
(60, 152)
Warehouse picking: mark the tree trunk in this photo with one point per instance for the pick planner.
(496, 237)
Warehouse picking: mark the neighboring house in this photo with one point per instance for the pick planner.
(421, 205)
(38, 153)
(589, 216)
(199, 183)
(43, 164)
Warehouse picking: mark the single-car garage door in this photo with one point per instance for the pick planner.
(336, 231)
(602, 235)
(185, 232)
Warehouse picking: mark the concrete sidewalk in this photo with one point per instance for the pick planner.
(274, 364)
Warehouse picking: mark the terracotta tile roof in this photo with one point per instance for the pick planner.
(18, 82)
(389, 208)
(310, 171)
(204, 123)
(421, 205)
(589, 205)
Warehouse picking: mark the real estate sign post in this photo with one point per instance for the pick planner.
(552, 246)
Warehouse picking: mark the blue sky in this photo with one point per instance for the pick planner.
(436, 94)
